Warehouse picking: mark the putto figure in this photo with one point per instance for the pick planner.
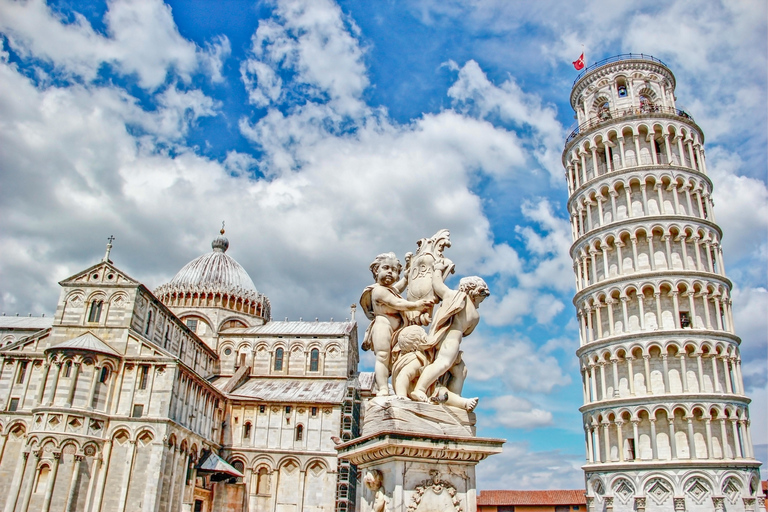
(456, 317)
(384, 306)
(424, 367)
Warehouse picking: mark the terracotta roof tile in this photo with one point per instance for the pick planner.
(552, 497)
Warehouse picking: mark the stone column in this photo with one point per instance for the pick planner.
(102, 477)
(620, 439)
(121, 503)
(635, 424)
(724, 438)
(609, 304)
(615, 370)
(631, 376)
(52, 394)
(648, 386)
(672, 440)
(43, 380)
(654, 441)
(18, 474)
(708, 426)
(665, 367)
(684, 371)
(736, 440)
(691, 440)
(92, 390)
(51, 482)
(73, 485)
(73, 383)
(31, 484)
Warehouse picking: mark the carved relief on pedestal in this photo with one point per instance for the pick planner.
(435, 495)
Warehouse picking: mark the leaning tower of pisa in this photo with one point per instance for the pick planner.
(666, 420)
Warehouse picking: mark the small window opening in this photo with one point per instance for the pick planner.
(13, 405)
(622, 90)
(247, 431)
(287, 409)
(95, 313)
(138, 411)
(192, 324)
(149, 323)
(22, 372)
(143, 376)
(313, 411)
(314, 360)
(631, 449)
(68, 369)
(279, 359)
(299, 432)
(685, 319)
(262, 409)
(104, 377)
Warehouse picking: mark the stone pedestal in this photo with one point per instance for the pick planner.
(417, 457)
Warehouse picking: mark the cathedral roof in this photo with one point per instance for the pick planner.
(215, 274)
(88, 342)
(214, 270)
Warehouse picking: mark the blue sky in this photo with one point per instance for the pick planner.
(326, 133)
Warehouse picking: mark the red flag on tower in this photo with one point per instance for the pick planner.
(579, 63)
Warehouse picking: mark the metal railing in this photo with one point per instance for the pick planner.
(617, 58)
(610, 115)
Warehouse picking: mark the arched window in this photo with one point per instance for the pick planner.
(262, 481)
(95, 313)
(42, 479)
(238, 465)
(104, 377)
(314, 360)
(279, 360)
(68, 369)
(247, 431)
(299, 432)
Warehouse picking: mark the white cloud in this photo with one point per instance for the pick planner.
(519, 467)
(516, 412)
(473, 92)
(141, 38)
(515, 364)
(311, 39)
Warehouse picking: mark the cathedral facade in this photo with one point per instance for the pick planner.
(188, 398)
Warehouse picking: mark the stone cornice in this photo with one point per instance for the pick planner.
(648, 465)
(650, 336)
(654, 400)
(434, 448)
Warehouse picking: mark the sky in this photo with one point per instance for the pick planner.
(326, 133)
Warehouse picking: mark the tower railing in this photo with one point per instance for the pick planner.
(618, 58)
(606, 116)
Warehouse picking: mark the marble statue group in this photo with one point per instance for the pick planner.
(417, 339)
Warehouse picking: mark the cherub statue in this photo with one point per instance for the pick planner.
(374, 481)
(412, 353)
(384, 306)
(456, 317)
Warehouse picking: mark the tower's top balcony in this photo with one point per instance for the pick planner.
(624, 83)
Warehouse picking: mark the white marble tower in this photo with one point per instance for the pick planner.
(666, 418)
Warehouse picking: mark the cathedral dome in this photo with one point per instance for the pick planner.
(214, 270)
(214, 279)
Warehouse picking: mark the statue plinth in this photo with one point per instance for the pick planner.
(417, 457)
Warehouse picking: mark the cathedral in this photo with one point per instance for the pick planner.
(186, 398)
